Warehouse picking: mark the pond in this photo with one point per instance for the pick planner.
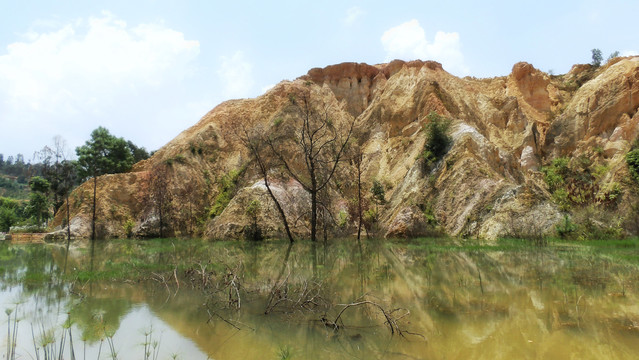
(409, 299)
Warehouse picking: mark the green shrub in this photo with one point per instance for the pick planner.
(180, 159)
(8, 218)
(566, 227)
(342, 219)
(379, 194)
(555, 173)
(128, 228)
(370, 216)
(573, 183)
(226, 187)
(429, 213)
(613, 55)
(253, 209)
(632, 159)
(437, 139)
(253, 232)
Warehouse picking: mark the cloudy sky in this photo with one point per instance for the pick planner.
(148, 69)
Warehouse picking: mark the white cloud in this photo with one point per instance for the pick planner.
(68, 78)
(352, 14)
(629, 53)
(237, 75)
(267, 88)
(86, 64)
(408, 41)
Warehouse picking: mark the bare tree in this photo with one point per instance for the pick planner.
(255, 143)
(52, 159)
(189, 205)
(159, 195)
(312, 153)
(357, 159)
(61, 174)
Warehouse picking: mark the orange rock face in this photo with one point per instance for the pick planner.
(533, 85)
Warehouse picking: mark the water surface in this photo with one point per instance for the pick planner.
(446, 300)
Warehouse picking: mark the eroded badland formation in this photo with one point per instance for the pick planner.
(489, 184)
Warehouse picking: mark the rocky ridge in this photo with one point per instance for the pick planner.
(489, 184)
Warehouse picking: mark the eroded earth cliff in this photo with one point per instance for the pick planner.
(490, 183)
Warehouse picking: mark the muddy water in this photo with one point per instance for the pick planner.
(445, 301)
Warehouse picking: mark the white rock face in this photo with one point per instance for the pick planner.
(528, 159)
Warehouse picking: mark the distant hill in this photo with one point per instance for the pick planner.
(11, 188)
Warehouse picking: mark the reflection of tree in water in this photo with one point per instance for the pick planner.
(35, 268)
(11, 259)
(32, 267)
(98, 318)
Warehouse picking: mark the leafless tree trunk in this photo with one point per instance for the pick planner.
(318, 142)
(93, 217)
(357, 160)
(255, 143)
(190, 206)
(160, 195)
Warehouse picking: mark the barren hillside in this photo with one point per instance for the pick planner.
(492, 181)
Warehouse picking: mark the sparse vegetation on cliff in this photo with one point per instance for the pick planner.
(597, 57)
(226, 190)
(577, 183)
(437, 139)
(632, 159)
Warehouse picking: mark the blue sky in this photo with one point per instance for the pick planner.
(149, 69)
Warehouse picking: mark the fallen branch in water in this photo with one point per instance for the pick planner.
(176, 280)
(271, 303)
(392, 325)
(161, 279)
(231, 281)
(306, 296)
(222, 318)
(391, 318)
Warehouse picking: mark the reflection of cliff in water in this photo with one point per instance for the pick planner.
(470, 303)
(467, 302)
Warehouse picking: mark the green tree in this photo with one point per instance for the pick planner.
(597, 57)
(102, 154)
(437, 139)
(139, 153)
(8, 218)
(614, 54)
(39, 184)
(11, 213)
(38, 207)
